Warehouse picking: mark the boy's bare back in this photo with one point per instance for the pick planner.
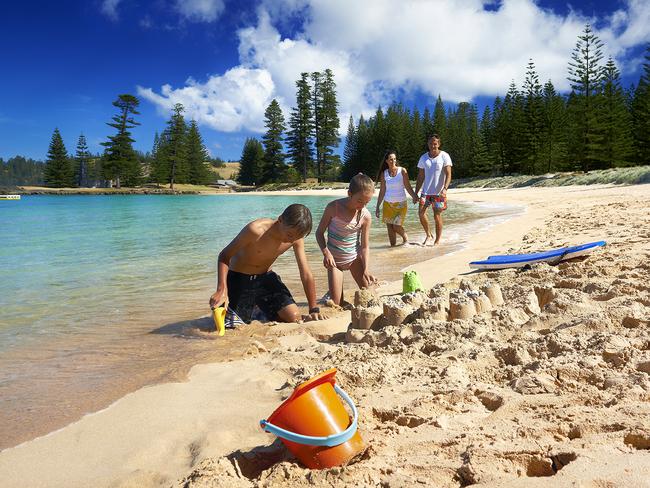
(256, 247)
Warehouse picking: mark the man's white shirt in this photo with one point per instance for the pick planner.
(434, 180)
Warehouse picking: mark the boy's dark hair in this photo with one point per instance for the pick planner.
(361, 182)
(299, 217)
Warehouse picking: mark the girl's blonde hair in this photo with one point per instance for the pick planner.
(361, 182)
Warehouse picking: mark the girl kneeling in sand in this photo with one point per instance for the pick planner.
(347, 221)
(394, 181)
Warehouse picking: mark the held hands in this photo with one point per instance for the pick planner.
(415, 199)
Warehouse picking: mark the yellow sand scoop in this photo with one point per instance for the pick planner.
(219, 316)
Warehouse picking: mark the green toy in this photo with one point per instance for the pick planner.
(411, 282)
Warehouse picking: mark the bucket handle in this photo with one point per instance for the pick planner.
(330, 440)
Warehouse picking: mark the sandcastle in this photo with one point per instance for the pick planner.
(373, 316)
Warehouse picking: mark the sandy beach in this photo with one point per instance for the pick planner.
(549, 386)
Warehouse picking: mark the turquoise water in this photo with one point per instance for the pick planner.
(90, 284)
(69, 260)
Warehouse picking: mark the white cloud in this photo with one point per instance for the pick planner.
(628, 27)
(229, 103)
(453, 48)
(286, 59)
(200, 10)
(376, 48)
(109, 8)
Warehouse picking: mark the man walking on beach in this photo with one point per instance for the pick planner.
(434, 177)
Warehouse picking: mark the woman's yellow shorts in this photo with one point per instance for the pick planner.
(395, 212)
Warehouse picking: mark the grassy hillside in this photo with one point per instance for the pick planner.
(229, 172)
(618, 176)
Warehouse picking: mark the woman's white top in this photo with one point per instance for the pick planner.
(395, 191)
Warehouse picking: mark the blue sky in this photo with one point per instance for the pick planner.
(63, 63)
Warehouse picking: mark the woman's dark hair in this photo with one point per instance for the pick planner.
(361, 182)
(298, 217)
(384, 165)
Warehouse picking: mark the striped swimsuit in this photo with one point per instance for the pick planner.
(343, 238)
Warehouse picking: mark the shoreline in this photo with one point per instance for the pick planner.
(33, 191)
(633, 175)
(42, 190)
(181, 190)
(199, 347)
(142, 452)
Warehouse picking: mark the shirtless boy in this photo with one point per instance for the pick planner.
(244, 276)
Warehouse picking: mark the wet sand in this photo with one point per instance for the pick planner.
(55, 378)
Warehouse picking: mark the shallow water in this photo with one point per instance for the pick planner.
(100, 295)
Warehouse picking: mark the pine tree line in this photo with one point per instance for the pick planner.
(531, 130)
(178, 156)
(21, 171)
(310, 137)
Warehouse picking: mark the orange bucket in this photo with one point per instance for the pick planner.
(314, 424)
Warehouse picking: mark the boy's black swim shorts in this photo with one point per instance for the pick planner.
(264, 290)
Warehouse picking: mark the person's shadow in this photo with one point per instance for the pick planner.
(188, 328)
(203, 328)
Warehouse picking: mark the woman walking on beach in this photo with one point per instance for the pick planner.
(394, 181)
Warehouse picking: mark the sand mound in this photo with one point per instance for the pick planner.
(505, 378)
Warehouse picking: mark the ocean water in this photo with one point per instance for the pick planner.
(96, 291)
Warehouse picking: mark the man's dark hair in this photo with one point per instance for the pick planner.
(433, 136)
(298, 217)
